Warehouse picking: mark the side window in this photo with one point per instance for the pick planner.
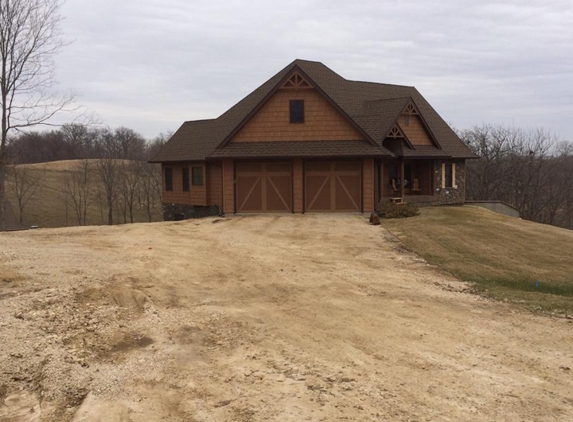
(448, 175)
(168, 179)
(185, 180)
(297, 111)
(197, 176)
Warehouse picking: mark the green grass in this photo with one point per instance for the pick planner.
(503, 256)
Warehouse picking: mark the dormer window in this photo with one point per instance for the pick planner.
(297, 111)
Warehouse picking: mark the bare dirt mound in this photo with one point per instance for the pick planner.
(257, 319)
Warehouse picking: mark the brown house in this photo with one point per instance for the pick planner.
(308, 140)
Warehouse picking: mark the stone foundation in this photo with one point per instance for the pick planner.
(178, 212)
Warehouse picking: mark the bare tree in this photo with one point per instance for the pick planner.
(150, 189)
(131, 175)
(109, 176)
(25, 183)
(528, 169)
(78, 189)
(29, 37)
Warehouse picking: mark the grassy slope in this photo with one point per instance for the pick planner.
(504, 256)
(47, 208)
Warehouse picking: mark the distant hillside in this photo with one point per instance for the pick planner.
(48, 207)
(503, 256)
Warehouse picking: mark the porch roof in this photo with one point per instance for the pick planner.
(424, 151)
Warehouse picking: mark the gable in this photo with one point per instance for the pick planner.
(413, 127)
(322, 122)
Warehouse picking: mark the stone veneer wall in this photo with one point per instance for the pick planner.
(176, 212)
(451, 195)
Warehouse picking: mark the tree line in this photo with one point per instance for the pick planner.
(111, 172)
(531, 170)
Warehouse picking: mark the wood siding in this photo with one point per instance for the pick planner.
(368, 185)
(228, 186)
(215, 184)
(415, 131)
(298, 184)
(322, 121)
(197, 195)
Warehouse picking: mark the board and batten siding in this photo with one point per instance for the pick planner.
(322, 122)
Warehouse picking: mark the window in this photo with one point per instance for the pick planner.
(448, 170)
(168, 179)
(407, 120)
(297, 111)
(185, 173)
(197, 176)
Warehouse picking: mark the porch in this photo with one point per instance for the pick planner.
(403, 180)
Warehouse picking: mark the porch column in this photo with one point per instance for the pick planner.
(402, 178)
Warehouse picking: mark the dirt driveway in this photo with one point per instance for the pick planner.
(266, 318)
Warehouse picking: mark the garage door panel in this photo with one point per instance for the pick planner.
(318, 193)
(248, 168)
(249, 193)
(279, 168)
(319, 166)
(279, 195)
(347, 166)
(263, 187)
(333, 186)
(347, 196)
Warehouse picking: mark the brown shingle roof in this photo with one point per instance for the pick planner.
(297, 149)
(424, 151)
(373, 107)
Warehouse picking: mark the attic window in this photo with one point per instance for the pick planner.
(407, 120)
(297, 111)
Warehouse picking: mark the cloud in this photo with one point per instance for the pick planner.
(150, 65)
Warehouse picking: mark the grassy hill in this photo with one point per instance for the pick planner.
(48, 207)
(503, 256)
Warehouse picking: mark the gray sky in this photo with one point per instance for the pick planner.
(150, 65)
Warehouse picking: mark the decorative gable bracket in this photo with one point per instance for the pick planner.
(411, 110)
(396, 132)
(296, 82)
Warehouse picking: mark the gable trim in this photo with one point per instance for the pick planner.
(273, 91)
(396, 129)
(426, 126)
(411, 102)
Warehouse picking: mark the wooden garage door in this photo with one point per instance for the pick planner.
(333, 186)
(264, 187)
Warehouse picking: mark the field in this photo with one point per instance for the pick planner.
(48, 207)
(504, 256)
(263, 318)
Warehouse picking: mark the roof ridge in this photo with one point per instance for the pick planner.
(380, 83)
(199, 120)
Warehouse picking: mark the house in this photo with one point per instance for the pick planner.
(308, 140)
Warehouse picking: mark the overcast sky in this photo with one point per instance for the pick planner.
(151, 64)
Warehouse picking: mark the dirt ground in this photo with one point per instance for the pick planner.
(266, 318)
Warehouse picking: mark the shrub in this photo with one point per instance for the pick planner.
(391, 210)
